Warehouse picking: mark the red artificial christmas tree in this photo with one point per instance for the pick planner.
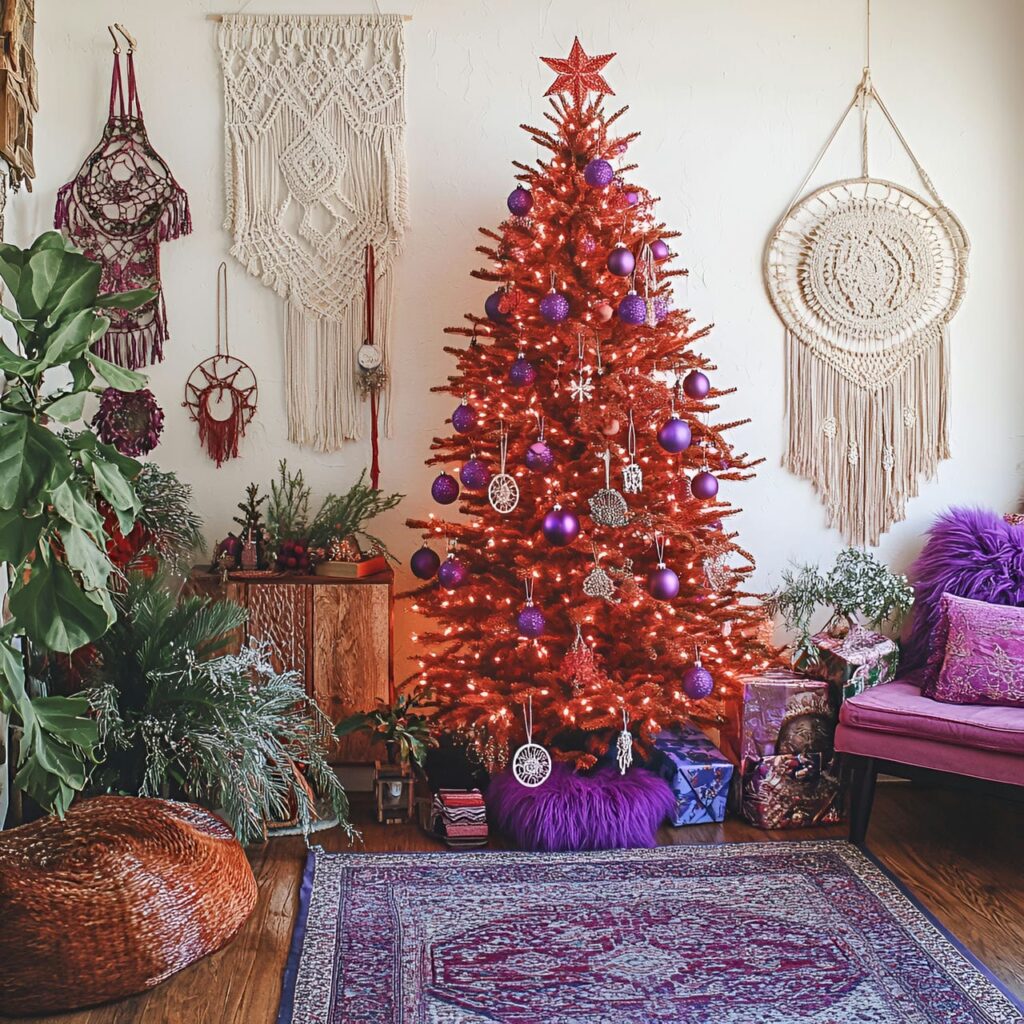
(592, 574)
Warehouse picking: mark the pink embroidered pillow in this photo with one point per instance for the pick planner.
(977, 654)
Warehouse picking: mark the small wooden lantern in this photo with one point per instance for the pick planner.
(394, 787)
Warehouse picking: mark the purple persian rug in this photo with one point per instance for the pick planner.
(751, 933)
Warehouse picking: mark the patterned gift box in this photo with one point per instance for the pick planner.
(698, 772)
(785, 713)
(856, 661)
(791, 791)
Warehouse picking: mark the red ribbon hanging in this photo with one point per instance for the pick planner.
(374, 435)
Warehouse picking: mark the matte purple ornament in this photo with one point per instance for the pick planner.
(661, 309)
(598, 173)
(621, 261)
(539, 457)
(445, 489)
(493, 309)
(424, 563)
(530, 621)
(697, 682)
(659, 249)
(522, 373)
(662, 583)
(561, 527)
(520, 202)
(452, 573)
(474, 474)
(696, 385)
(464, 418)
(632, 309)
(675, 435)
(704, 485)
(554, 307)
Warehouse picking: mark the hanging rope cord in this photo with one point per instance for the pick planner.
(371, 275)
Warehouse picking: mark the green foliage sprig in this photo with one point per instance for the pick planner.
(344, 515)
(399, 723)
(167, 514)
(288, 511)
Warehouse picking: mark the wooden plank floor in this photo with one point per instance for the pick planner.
(960, 855)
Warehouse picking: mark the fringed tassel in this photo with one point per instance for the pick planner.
(176, 220)
(220, 436)
(63, 207)
(137, 346)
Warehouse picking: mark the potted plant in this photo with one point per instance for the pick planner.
(401, 726)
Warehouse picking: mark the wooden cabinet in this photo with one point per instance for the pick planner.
(338, 634)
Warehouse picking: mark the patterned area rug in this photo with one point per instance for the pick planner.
(754, 933)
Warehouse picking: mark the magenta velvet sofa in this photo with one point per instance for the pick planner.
(895, 730)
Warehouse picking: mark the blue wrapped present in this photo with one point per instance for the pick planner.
(698, 772)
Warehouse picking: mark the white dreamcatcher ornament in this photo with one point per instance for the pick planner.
(581, 386)
(503, 491)
(624, 745)
(607, 506)
(632, 474)
(531, 763)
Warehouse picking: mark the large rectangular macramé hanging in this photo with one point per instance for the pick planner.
(315, 170)
(866, 275)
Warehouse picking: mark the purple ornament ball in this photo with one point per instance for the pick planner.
(662, 583)
(561, 527)
(554, 307)
(474, 474)
(632, 198)
(659, 249)
(452, 573)
(445, 489)
(632, 309)
(539, 457)
(704, 485)
(530, 621)
(598, 173)
(697, 682)
(522, 373)
(696, 385)
(464, 418)
(621, 261)
(520, 202)
(424, 563)
(493, 309)
(675, 435)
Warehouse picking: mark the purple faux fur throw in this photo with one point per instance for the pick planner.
(602, 810)
(973, 553)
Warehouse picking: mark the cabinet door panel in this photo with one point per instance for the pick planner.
(279, 616)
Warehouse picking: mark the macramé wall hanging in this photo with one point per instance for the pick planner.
(315, 171)
(120, 206)
(866, 275)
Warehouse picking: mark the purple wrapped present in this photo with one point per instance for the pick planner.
(785, 713)
(791, 791)
(698, 772)
(856, 661)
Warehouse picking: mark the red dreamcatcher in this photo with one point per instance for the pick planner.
(221, 392)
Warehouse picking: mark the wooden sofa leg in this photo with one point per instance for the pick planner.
(865, 772)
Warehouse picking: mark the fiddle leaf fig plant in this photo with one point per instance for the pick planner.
(52, 485)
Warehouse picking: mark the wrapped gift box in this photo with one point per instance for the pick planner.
(698, 773)
(791, 791)
(856, 661)
(785, 713)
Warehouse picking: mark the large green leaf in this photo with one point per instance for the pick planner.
(19, 534)
(12, 678)
(19, 366)
(66, 408)
(125, 300)
(12, 260)
(113, 485)
(130, 468)
(55, 612)
(116, 376)
(85, 557)
(71, 503)
(72, 337)
(55, 282)
(30, 456)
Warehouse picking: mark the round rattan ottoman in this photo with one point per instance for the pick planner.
(114, 899)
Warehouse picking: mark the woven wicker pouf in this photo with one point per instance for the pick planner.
(114, 899)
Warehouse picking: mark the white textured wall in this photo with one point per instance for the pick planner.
(734, 98)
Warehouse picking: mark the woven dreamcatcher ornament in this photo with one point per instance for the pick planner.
(607, 506)
(531, 763)
(503, 491)
(866, 275)
(221, 392)
(624, 745)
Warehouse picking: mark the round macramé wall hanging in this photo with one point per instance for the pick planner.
(866, 274)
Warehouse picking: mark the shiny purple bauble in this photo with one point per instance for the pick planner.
(561, 527)
(598, 173)
(704, 485)
(424, 563)
(464, 418)
(632, 309)
(697, 682)
(452, 573)
(474, 474)
(522, 373)
(539, 457)
(621, 261)
(631, 197)
(520, 202)
(554, 307)
(445, 489)
(493, 309)
(696, 385)
(660, 249)
(675, 435)
(530, 621)
(662, 583)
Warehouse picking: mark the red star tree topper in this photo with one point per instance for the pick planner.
(606, 646)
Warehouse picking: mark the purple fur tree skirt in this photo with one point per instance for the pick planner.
(602, 810)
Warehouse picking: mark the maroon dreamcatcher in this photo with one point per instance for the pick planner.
(221, 392)
(119, 207)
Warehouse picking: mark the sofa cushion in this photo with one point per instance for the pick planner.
(899, 708)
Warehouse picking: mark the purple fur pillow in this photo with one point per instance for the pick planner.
(971, 553)
(978, 651)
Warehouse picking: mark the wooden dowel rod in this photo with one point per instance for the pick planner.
(221, 17)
